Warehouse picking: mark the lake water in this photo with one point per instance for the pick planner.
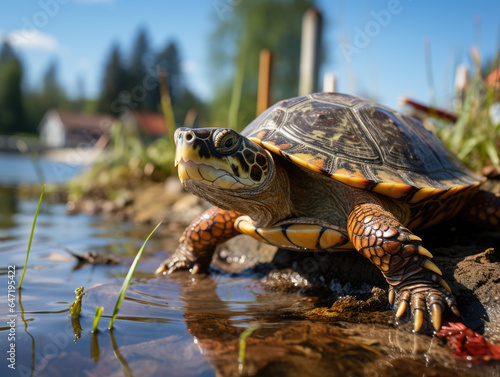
(169, 326)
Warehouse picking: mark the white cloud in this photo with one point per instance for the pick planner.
(30, 40)
(189, 66)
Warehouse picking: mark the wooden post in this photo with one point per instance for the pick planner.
(310, 51)
(329, 82)
(265, 64)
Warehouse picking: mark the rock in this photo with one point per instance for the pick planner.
(243, 252)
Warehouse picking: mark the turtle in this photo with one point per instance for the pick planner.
(332, 172)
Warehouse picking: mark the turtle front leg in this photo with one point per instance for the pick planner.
(414, 280)
(198, 242)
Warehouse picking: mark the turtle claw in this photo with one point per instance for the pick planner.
(427, 300)
(178, 261)
(432, 267)
(173, 264)
(403, 305)
(183, 259)
(418, 319)
(436, 314)
(391, 296)
(196, 269)
(455, 311)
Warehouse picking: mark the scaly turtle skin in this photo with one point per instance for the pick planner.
(332, 172)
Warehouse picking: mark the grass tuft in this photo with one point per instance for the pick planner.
(128, 279)
(97, 317)
(31, 237)
(475, 137)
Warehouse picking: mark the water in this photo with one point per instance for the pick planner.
(178, 325)
(19, 168)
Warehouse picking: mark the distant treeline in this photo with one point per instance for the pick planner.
(129, 83)
(241, 31)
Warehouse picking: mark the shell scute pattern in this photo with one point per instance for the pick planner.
(362, 144)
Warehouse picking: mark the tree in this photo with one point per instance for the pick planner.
(52, 95)
(169, 61)
(12, 113)
(112, 99)
(183, 100)
(237, 41)
(7, 53)
(141, 73)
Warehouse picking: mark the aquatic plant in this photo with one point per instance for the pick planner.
(31, 237)
(243, 346)
(75, 309)
(128, 279)
(97, 317)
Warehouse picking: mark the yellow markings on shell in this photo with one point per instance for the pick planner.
(351, 181)
(330, 238)
(453, 191)
(274, 236)
(305, 236)
(394, 190)
(295, 236)
(245, 226)
(306, 160)
(425, 193)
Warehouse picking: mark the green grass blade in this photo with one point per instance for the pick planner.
(128, 279)
(492, 153)
(97, 317)
(31, 236)
(243, 346)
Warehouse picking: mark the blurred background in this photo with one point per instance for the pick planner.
(70, 68)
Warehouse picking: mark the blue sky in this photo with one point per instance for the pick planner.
(375, 48)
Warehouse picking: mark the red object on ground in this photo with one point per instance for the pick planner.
(465, 344)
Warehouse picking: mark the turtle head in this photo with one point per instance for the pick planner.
(221, 157)
(226, 168)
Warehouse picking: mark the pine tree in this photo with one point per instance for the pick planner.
(52, 95)
(170, 62)
(143, 84)
(12, 113)
(113, 98)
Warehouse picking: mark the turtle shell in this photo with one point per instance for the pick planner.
(362, 144)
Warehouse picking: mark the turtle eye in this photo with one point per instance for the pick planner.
(226, 142)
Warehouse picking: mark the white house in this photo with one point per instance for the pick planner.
(65, 129)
